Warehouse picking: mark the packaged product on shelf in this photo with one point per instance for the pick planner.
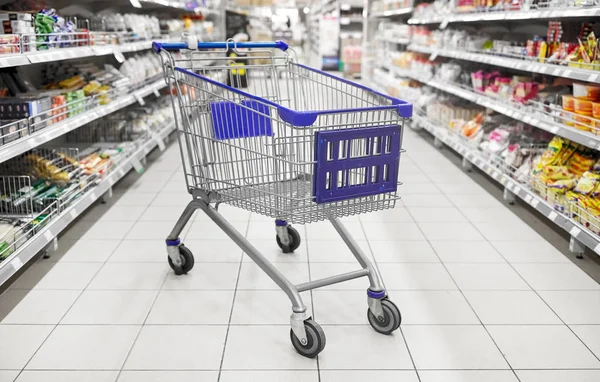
(11, 130)
(23, 107)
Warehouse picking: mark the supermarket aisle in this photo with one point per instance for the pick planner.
(481, 294)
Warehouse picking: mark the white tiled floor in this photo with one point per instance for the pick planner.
(484, 297)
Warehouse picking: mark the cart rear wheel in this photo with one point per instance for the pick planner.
(187, 261)
(294, 236)
(315, 340)
(391, 318)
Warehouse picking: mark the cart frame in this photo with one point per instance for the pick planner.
(307, 336)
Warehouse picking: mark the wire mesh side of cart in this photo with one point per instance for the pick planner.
(253, 149)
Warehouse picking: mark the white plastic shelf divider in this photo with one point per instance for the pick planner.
(55, 130)
(47, 234)
(51, 55)
(393, 12)
(540, 121)
(582, 234)
(513, 63)
(549, 13)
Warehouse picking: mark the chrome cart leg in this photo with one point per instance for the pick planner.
(180, 257)
(383, 315)
(306, 335)
(288, 238)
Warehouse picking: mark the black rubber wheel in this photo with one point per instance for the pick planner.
(315, 337)
(294, 240)
(187, 261)
(391, 318)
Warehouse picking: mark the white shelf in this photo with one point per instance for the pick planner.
(550, 13)
(394, 12)
(576, 230)
(21, 145)
(401, 41)
(55, 226)
(51, 55)
(524, 114)
(514, 63)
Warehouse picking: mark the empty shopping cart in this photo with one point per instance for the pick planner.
(291, 143)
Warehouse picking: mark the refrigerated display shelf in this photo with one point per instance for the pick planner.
(55, 130)
(525, 114)
(576, 230)
(50, 231)
(513, 63)
(549, 13)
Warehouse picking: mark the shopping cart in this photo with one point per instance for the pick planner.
(301, 147)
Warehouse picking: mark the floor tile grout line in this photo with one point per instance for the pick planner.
(312, 297)
(70, 307)
(472, 309)
(375, 263)
(137, 336)
(529, 285)
(59, 321)
(237, 281)
(521, 277)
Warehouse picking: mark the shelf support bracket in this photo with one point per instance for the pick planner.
(467, 165)
(576, 247)
(509, 196)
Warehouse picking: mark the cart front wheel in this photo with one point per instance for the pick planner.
(187, 261)
(315, 340)
(294, 237)
(391, 318)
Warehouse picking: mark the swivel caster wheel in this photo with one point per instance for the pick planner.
(390, 320)
(315, 340)
(187, 261)
(294, 240)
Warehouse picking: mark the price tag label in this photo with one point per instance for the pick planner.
(516, 190)
(574, 231)
(552, 215)
(534, 202)
(528, 198)
(444, 24)
(137, 165)
(73, 213)
(597, 248)
(139, 98)
(593, 77)
(156, 93)
(433, 56)
(48, 235)
(16, 263)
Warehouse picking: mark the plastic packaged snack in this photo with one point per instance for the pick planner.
(554, 173)
(587, 183)
(563, 185)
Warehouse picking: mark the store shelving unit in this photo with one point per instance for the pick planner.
(26, 143)
(579, 234)
(51, 127)
(540, 14)
(525, 64)
(569, 219)
(521, 113)
(48, 234)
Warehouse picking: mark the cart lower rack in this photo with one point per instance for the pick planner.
(283, 140)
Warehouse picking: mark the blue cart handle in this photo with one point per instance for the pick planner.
(157, 46)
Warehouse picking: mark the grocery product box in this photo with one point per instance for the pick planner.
(23, 107)
(12, 130)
